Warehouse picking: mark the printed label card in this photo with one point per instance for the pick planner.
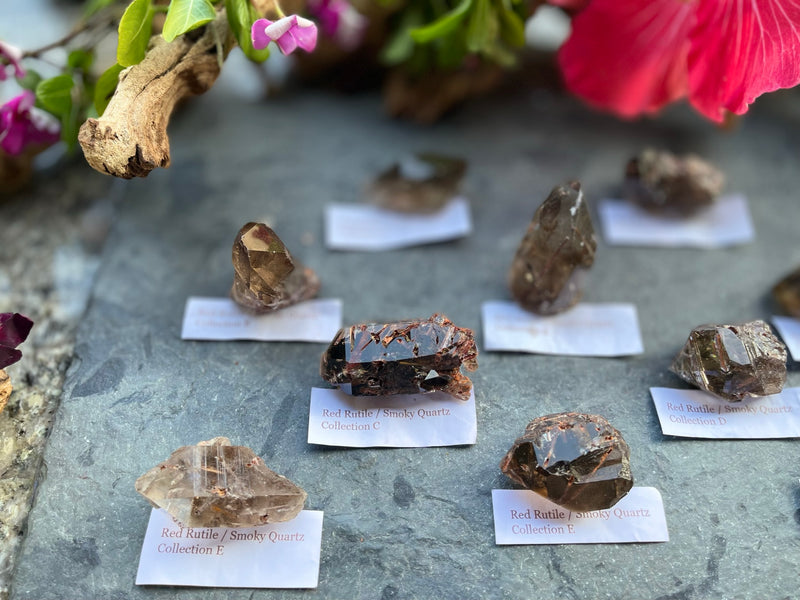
(727, 222)
(698, 414)
(401, 421)
(370, 228)
(525, 517)
(280, 555)
(789, 328)
(585, 330)
(223, 319)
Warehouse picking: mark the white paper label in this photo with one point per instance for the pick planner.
(725, 223)
(223, 319)
(402, 421)
(524, 517)
(585, 330)
(698, 414)
(367, 227)
(789, 328)
(282, 555)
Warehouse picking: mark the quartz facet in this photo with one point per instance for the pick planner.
(215, 484)
(787, 293)
(733, 362)
(576, 460)
(555, 253)
(671, 185)
(407, 357)
(266, 277)
(421, 183)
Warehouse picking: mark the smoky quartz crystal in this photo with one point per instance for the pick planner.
(733, 362)
(215, 484)
(576, 460)
(555, 254)
(267, 277)
(405, 357)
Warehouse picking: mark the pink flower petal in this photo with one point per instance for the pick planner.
(287, 43)
(21, 126)
(258, 34)
(629, 56)
(305, 34)
(569, 4)
(10, 55)
(741, 49)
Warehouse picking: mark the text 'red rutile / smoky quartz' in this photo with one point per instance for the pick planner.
(557, 250)
(407, 357)
(733, 362)
(576, 460)
(421, 183)
(215, 484)
(787, 293)
(670, 185)
(267, 278)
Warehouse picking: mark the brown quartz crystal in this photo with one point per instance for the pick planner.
(733, 362)
(787, 293)
(671, 185)
(421, 183)
(266, 277)
(555, 254)
(575, 460)
(214, 484)
(407, 357)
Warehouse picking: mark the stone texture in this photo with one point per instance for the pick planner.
(575, 460)
(5, 389)
(733, 362)
(267, 278)
(671, 185)
(407, 357)
(215, 484)
(787, 293)
(420, 183)
(548, 269)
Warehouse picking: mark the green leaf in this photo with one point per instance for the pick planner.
(104, 89)
(30, 81)
(398, 49)
(185, 15)
(55, 95)
(444, 25)
(94, 6)
(241, 16)
(482, 28)
(512, 28)
(135, 28)
(80, 59)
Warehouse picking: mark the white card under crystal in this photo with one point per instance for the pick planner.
(525, 517)
(584, 330)
(789, 328)
(726, 223)
(280, 555)
(401, 421)
(223, 319)
(370, 228)
(698, 414)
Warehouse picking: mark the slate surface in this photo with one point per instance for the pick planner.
(416, 523)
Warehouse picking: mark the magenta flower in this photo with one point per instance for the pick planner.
(339, 21)
(10, 56)
(635, 56)
(22, 125)
(14, 328)
(289, 33)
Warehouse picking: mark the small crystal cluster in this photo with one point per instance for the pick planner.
(787, 293)
(215, 484)
(407, 357)
(671, 185)
(733, 362)
(576, 460)
(267, 278)
(556, 252)
(422, 183)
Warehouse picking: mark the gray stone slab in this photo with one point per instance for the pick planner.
(415, 523)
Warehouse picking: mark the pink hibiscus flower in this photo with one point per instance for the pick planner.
(22, 125)
(635, 56)
(289, 33)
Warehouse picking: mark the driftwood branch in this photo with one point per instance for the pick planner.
(130, 139)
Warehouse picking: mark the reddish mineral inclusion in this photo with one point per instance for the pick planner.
(575, 460)
(407, 357)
